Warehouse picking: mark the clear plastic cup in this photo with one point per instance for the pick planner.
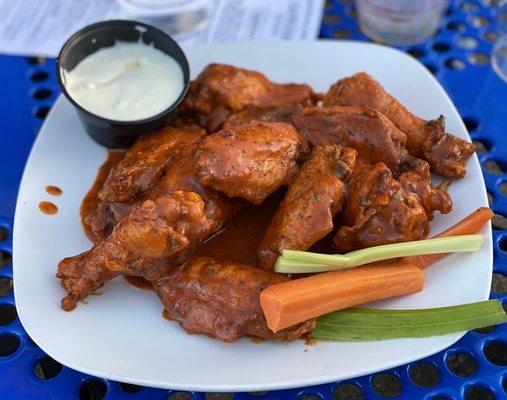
(177, 18)
(400, 22)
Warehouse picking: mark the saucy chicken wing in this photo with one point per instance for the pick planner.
(447, 154)
(224, 89)
(145, 162)
(378, 210)
(250, 161)
(365, 129)
(221, 299)
(312, 200)
(145, 243)
(179, 176)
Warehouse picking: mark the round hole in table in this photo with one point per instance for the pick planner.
(499, 222)
(347, 391)
(5, 258)
(454, 63)
(424, 374)
(47, 368)
(478, 58)
(478, 392)
(386, 385)
(92, 389)
(455, 26)
(499, 283)
(461, 363)
(181, 396)
(8, 314)
(9, 343)
(467, 42)
(6, 285)
(441, 47)
(42, 94)
(495, 352)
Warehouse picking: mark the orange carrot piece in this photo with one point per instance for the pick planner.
(467, 226)
(286, 304)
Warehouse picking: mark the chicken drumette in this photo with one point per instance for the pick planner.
(250, 161)
(312, 200)
(148, 242)
(224, 89)
(221, 299)
(447, 154)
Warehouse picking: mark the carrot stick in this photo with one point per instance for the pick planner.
(286, 304)
(468, 225)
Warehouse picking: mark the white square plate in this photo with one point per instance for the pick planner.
(121, 335)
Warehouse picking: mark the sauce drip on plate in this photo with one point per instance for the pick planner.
(48, 208)
(53, 190)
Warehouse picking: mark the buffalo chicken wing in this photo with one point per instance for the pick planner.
(447, 154)
(145, 243)
(221, 90)
(378, 210)
(312, 200)
(250, 161)
(221, 299)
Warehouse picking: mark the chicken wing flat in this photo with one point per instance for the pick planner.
(378, 210)
(258, 114)
(224, 89)
(365, 129)
(179, 176)
(145, 243)
(447, 154)
(221, 299)
(145, 162)
(312, 200)
(250, 161)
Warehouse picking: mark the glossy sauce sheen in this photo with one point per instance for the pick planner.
(53, 190)
(48, 208)
(242, 236)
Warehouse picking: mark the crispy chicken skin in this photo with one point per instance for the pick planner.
(378, 210)
(145, 162)
(365, 129)
(224, 89)
(447, 154)
(250, 161)
(145, 243)
(221, 299)
(312, 200)
(179, 176)
(432, 199)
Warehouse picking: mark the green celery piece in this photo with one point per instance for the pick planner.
(360, 324)
(293, 261)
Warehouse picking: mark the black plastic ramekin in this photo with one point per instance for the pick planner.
(108, 132)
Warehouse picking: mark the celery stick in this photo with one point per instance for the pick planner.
(356, 324)
(293, 261)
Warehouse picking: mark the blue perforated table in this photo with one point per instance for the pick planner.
(472, 369)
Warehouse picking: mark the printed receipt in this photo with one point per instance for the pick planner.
(41, 27)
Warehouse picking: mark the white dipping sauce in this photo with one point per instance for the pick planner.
(126, 82)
